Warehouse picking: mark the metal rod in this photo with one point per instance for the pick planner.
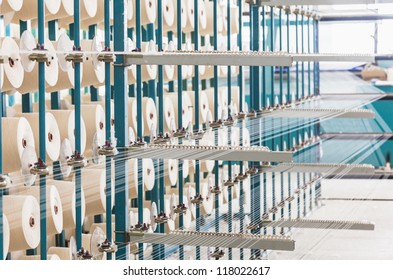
(108, 125)
(240, 84)
(77, 102)
(42, 129)
(196, 110)
(180, 114)
(121, 127)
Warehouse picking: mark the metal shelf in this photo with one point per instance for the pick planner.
(210, 58)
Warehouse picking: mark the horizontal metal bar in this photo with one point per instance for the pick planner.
(322, 2)
(210, 58)
(218, 240)
(366, 58)
(357, 199)
(322, 168)
(357, 136)
(356, 17)
(321, 224)
(210, 153)
(322, 113)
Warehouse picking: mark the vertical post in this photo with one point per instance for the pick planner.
(288, 11)
(255, 104)
(196, 110)
(121, 125)
(316, 50)
(264, 84)
(27, 99)
(93, 90)
(309, 51)
(160, 188)
(55, 96)
(180, 115)
(215, 85)
(108, 163)
(288, 25)
(42, 128)
(94, 97)
(240, 84)
(229, 97)
(77, 103)
(1, 190)
(138, 33)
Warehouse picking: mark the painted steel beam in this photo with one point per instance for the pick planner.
(209, 58)
(366, 58)
(217, 240)
(256, 154)
(323, 2)
(321, 113)
(322, 168)
(320, 224)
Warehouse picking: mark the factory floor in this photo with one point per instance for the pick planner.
(348, 245)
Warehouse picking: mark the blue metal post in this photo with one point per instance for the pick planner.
(215, 69)
(229, 85)
(240, 84)
(264, 83)
(108, 186)
(55, 96)
(281, 121)
(27, 99)
(121, 126)
(138, 34)
(42, 129)
(93, 91)
(255, 103)
(160, 93)
(316, 50)
(77, 102)
(196, 110)
(1, 190)
(180, 116)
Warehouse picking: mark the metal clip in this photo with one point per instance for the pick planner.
(180, 209)
(291, 198)
(252, 114)
(281, 204)
(229, 183)
(3, 59)
(41, 55)
(77, 160)
(197, 135)
(84, 255)
(39, 168)
(255, 258)
(215, 190)
(138, 229)
(198, 199)
(107, 247)
(139, 143)
(181, 132)
(216, 124)
(273, 210)
(217, 254)
(161, 218)
(76, 56)
(3, 182)
(105, 56)
(241, 115)
(107, 149)
(241, 177)
(252, 171)
(161, 139)
(229, 121)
